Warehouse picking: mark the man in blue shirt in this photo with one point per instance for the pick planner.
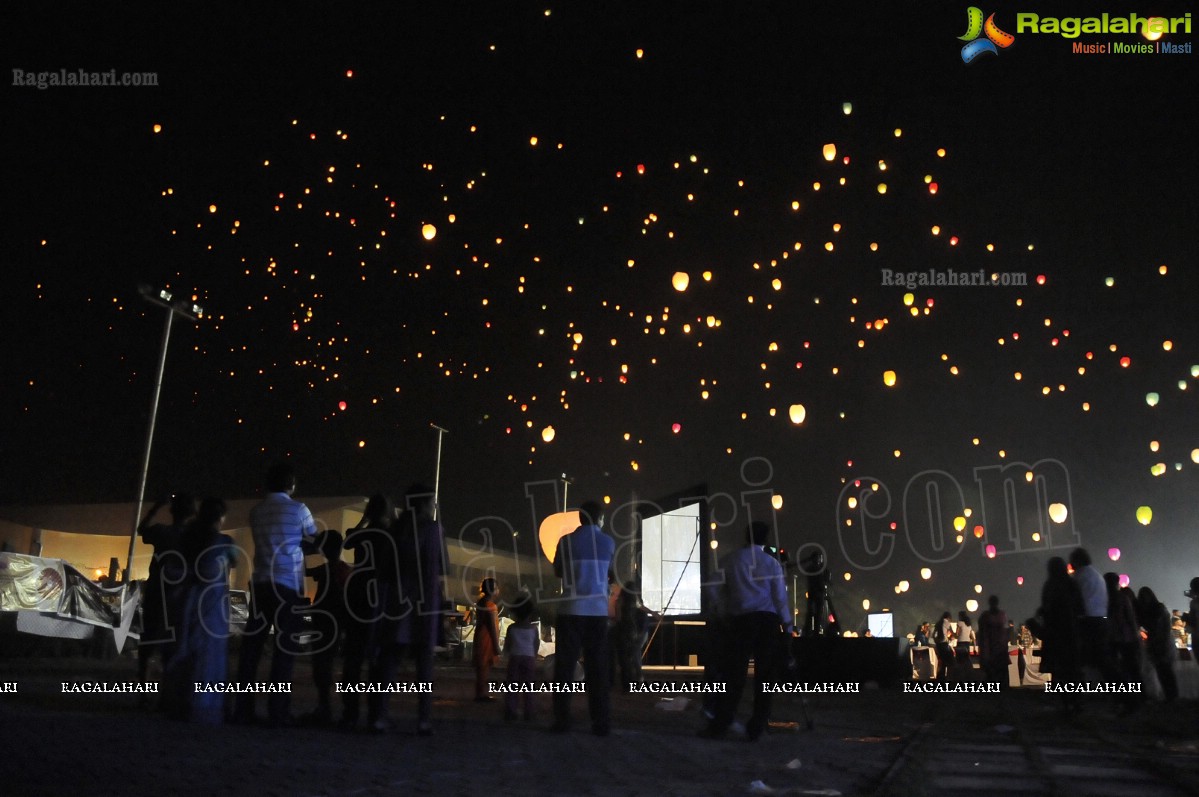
(753, 602)
(281, 527)
(583, 561)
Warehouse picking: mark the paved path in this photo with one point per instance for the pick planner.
(872, 743)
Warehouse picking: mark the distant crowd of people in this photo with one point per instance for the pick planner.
(1089, 627)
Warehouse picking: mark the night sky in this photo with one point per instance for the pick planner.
(573, 159)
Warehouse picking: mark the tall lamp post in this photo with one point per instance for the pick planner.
(566, 482)
(437, 471)
(187, 309)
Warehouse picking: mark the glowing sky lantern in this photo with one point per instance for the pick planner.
(1113, 554)
(676, 427)
(548, 433)
(680, 280)
(847, 108)
(797, 413)
(1195, 455)
(341, 405)
(908, 299)
(882, 188)
(979, 532)
(889, 378)
(926, 573)
(1125, 580)
(157, 128)
(830, 152)
(428, 232)
(972, 605)
(776, 501)
(866, 605)
(978, 588)
(1125, 361)
(904, 586)
(1154, 28)
(1058, 513)
(990, 551)
(1019, 581)
(1152, 398)
(553, 528)
(959, 523)
(1144, 515)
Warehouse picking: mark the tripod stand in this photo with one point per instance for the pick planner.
(822, 615)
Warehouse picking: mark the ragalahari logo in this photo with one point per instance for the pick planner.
(975, 27)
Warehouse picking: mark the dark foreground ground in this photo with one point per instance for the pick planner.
(872, 743)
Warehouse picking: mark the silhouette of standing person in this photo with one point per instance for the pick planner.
(943, 633)
(754, 595)
(993, 637)
(159, 634)
(962, 663)
(328, 613)
(420, 608)
(1061, 606)
(280, 526)
(373, 581)
(202, 656)
(1093, 632)
(1154, 617)
(583, 560)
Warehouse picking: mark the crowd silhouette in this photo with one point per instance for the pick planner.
(388, 603)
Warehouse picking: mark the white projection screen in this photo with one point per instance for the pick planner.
(881, 625)
(670, 552)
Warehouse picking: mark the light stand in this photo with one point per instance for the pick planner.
(187, 309)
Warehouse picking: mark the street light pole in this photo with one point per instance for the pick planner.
(566, 482)
(193, 311)
(437, 472)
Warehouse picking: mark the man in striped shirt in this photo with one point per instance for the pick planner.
(281, 527)
(583, 560)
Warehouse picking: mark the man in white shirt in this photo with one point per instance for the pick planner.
(1092, 625)
(280, 526)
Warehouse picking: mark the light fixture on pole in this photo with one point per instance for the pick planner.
(566, 482)
(437, 472)
(187, 309)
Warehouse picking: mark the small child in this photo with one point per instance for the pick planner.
(520, 645)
